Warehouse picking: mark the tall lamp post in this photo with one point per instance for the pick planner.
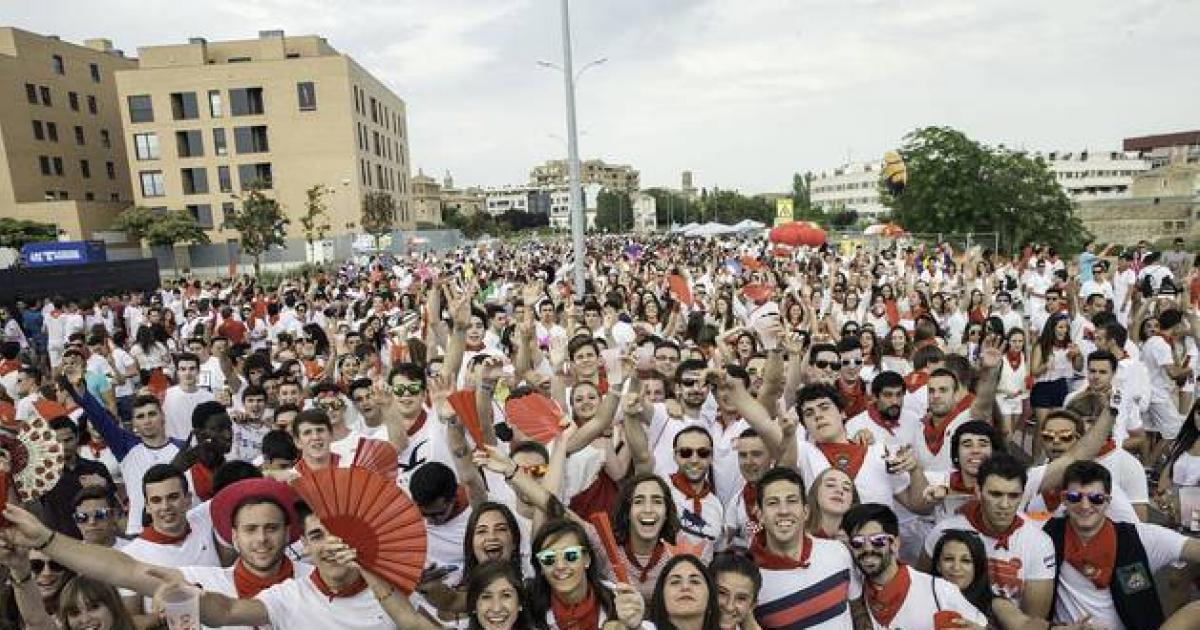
(578, 222)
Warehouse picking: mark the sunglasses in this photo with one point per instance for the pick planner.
(100, 515)
(570, 555)
(37, 566)
(822, 364)
(331, 403)
(537, 471)
(878, 541)
(411, 389)
(1095, 498)
(1058, 436)
(686, 452)
(852, 361)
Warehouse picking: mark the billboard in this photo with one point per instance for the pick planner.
(59, 253)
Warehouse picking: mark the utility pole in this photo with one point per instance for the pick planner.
(576, 196)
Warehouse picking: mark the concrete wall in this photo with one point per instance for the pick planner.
(1127, 221)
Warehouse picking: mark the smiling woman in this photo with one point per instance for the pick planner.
(684, 597)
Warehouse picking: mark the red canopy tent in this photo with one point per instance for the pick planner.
(798, 233)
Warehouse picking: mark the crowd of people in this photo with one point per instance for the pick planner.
(752, 436)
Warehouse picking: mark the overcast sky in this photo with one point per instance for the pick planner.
(742, 92)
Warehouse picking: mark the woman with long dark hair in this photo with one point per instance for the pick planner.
(685, 597)
(496, 598)
(87, 603)
(644, 523)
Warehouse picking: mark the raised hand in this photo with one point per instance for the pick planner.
(24, 529)
(492, 459)
(629, 605)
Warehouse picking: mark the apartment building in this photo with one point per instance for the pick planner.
(62, 154)
(609, 176)
(426, 200)
(207, 121)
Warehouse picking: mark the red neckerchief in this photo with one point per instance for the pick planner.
(7, 367)
(350, 590)
(959, 484)
(584, 615)
(202, 481)
(885, 601)
(855, 397)
(1014, 359)
(683, 485)
(655, 557)
(935, 431)
(312, 369)
(893, 313)
(916, 380)
(1051, 498)
(1095, 558)
(248, 585)
(1108, 447)
(750, 499)
(886, 423)
(1062, 344)
(767, 559)
(159, 538)
(418, 424)
(302, 467)
(974, 515)
(462, 501)
(847, 457)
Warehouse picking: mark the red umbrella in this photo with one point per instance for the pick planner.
(798, 233)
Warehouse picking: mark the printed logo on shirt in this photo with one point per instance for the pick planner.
(1133, 578)
(1006, 577)
(694, 524)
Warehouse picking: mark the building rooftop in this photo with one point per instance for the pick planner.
(1148, 143)
(270, 45)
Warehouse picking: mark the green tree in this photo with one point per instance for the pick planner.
(802, 205)
(260, 222)
(378, 215)
(670, 207)
(956, 184)
(614, 211)
(315, 220)
(160, 228)
(17, 232)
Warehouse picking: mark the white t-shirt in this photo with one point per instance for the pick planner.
(1029, 555)
(196, 550)
(220, 580)
(873, 482)
(926, 596)
(1078, 597)
(1156, 354)
(706, 527)
(297, 603)
(178, 406)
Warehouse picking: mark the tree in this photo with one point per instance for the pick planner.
(614, 211)
(315, 220)
(670, 206)
(844, 219)
(18, 232)
(378, 214)
(160, 228)
(260, 222)
(802, 205)
(956, 184)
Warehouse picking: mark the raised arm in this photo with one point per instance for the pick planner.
(468, 473)
(754, 413)
(118, 439)
(635, 433)
(461, 313)
(985, 386)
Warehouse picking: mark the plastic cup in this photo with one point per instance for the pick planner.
(181, 607)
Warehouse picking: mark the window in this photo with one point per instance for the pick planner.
(183, 106)
(79, 136)
(85, 169)
(95, 70)
(224, 181)
(202, 213)
(152, 184)
(141, 109)
(238, 59)
(219, 146)
(91, 101)
(254, 174)
(111, 169)
(58, 167)
(52, 131)
(46, 100)
(374, 110)
(226, 208)
(306, 93)
(195, 180)
(44, 163)
(31, 93)
(216, 108)
(115, 197)
(375, 143)
(73, 101)
(89, 196)
(56, 62)
(62, 194)
(246, 101)
(105, 139)
(189, 143)
(251, 139)
(145, 146)
(38, 132)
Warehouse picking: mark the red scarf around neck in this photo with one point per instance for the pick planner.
(1095, 559)
(202, 480)
(1051, 498)
(350, 590)
(248, 584)
(958, 483)
(750, 499)
(885, 601)
(855, 397)
(418, 424)
(916, 380)
(974, 515)
(767, 559)
(7, 366)
(888, 424)
(1014, 359)
(660, 548)
(1109, 446)
(935, 430)
(584, 615)
(683, 485)
(157, 537)
(847, 457)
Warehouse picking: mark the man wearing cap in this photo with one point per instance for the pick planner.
(257, 515)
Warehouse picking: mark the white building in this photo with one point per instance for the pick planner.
(1085, 175)
(645, 212)
(554, 201)
(852, 186)
(497, 201)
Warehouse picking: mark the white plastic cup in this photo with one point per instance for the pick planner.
(181, 607)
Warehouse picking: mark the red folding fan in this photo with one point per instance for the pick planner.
(600, 521)
(680, 289)
(538, 417)
(158, 384)
(758, 293)
(463, 402)
(683, 547)
(378, 456)
(35, 459)
(373, 517)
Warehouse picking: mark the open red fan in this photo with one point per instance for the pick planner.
(463, 402)
(378, 456)
(49, 409)
(758, 293)
(750, 263)
(538, 417)
(600, 521)
(684, 548)
(373, 517)
(158, 383)
(679, 288)
(35, 458)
